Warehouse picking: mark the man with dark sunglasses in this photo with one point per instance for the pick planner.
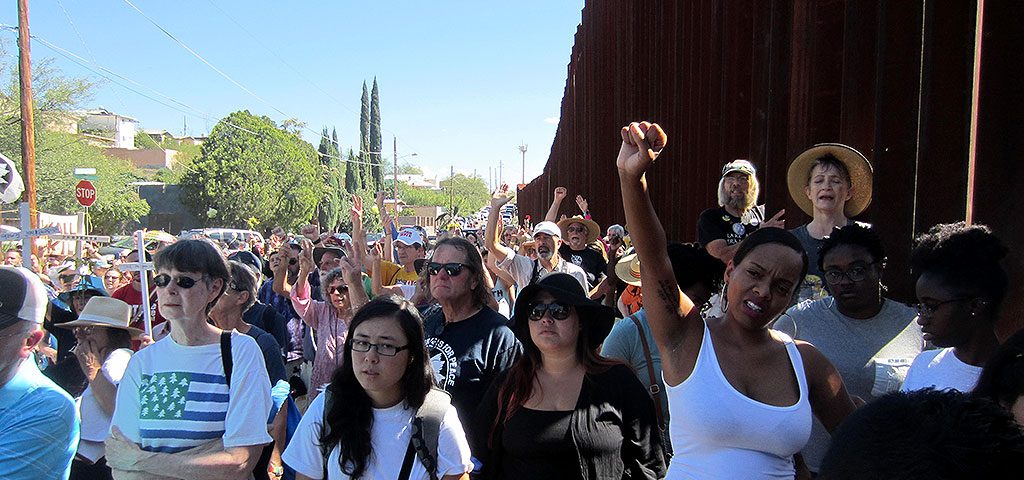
(548, 238)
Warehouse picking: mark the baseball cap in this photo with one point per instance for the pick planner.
(22, 296)
(410, 236)
(550, 228)
(739, 165)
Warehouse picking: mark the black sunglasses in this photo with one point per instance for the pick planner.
(340, 289)
(182, 281)
(452, 269)
(557, 310)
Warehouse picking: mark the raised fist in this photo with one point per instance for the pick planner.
(560, 193)
(641, 144)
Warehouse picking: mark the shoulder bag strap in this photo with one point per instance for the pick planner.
(427, 428)
(225, 355)
(655, 390)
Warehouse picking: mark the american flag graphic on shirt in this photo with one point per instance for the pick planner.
(181, 410)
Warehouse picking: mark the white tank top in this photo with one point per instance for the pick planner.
(719, 433)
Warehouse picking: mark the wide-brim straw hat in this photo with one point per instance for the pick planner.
(596, 318)
(105, 312)
(628, 269)
(857, 164)
(593, 229)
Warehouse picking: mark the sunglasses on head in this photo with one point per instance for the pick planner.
(452, 269)
(182, 281)
(557, 310)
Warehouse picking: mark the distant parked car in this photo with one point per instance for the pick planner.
(121, 245)
(226, 235)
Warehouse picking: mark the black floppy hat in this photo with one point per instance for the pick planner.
(596, 318)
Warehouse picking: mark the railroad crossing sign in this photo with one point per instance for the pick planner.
(85, 193)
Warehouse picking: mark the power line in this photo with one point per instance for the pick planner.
(119, 79)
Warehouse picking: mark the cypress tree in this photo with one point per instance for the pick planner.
(375, 140)
(366, 176)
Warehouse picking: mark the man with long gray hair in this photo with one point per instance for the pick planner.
(721, 229)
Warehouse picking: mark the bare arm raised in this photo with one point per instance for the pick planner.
(500, 197)
(677, 332)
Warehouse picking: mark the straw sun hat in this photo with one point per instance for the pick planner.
(105, 312)
(593, 229)
(860, 170)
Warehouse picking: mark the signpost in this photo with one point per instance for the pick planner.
(85, 193)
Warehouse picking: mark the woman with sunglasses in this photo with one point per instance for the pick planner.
(328, 318)
(741, 394)
(960, 287)
(179, 412)
(563, 411)
(385, 377)
(869, 338)
(468, 341)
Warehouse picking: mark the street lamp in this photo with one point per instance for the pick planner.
(394, 186)
(522, 148)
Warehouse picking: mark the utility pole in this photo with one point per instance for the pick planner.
(522, 148)
(394, 187)
(500, 179)
(28, 134)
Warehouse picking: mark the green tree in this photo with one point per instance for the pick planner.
(253, 180)
(365, 173)
(352, 173)
(375, 139)
(465, 194)
(329, 209)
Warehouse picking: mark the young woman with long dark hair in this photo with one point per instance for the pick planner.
(384, 378)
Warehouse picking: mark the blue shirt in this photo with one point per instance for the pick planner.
(38, 427)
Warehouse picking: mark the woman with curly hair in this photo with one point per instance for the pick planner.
(960, 287)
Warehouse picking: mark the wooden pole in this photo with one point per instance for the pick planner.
(28, 135)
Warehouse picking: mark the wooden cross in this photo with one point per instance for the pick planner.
(26, 235)
(143, 267)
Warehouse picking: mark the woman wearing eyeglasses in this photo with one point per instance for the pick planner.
(363, 426)
(960, 287)
(179, 412)
(328, 318)
(870, 339)
(562, 411)
(468, 342)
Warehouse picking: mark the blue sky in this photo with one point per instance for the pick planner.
(462, 83)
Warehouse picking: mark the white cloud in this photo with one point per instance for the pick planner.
(551, 120)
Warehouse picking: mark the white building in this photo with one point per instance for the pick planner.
(108, 128)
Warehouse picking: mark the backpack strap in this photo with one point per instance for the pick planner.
(533, 275)
(655, 390)
(426, 428)
(225, 355)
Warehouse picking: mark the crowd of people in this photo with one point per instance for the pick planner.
(525, 351)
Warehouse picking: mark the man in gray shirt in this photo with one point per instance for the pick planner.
(871, 340)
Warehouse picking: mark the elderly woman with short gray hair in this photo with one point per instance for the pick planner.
(330, 318)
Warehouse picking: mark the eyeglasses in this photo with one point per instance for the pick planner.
(452, 269)
(340, 289)
(557, 311)
(182, 281)
(855, 274)
(385, 349)
(927, 310)
(575, 229)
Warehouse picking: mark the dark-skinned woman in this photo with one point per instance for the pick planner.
(741, 394)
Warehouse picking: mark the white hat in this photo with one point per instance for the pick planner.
(550, 228)
(105, 312)
(22, 296)
(410, 236)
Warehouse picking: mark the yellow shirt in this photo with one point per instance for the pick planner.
(395, 274)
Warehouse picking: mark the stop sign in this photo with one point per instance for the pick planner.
(85, 193)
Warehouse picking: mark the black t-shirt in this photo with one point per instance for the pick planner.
(590, 260)
(469, 354)
(538, 445)
(271, 353)
(268, 319)
(719, 224)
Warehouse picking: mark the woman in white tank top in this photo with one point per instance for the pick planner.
(740, 395)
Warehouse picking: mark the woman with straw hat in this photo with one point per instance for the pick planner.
(831, 182)
(103, 350)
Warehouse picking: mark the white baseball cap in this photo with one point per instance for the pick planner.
(550, 228)
(410, 236)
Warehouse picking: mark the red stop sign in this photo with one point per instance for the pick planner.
(85, 193)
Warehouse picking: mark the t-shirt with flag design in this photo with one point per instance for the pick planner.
(175, 397)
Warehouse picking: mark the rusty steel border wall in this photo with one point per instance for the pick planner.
(765, 79)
